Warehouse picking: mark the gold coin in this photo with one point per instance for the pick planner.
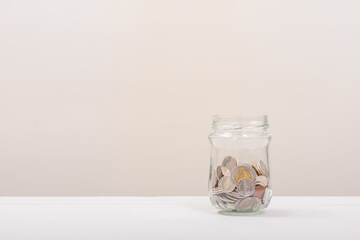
(241, 173)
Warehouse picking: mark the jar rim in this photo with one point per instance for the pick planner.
(240, 121)
(241, 115)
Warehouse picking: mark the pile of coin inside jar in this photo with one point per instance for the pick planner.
(242, 187)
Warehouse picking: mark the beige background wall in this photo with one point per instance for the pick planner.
(110, 97)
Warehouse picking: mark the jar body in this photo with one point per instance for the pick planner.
(239, 180)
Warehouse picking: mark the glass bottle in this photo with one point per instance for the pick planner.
(239, 181)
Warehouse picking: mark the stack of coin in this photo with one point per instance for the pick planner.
(242, 187)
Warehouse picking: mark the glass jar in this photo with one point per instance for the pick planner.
(239, 182)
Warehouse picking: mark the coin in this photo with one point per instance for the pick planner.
(219, 173)
(249, 204)
(257, 171)
(233, 197)
(241, 173)
(230, 205)
(229, 162)
(228, 198)
(256, 204)
(246, 187)
(216, 191)
(235, 194)
(214, 182)
(225, 199)
(261, 180)
(218, 202)
(245, 170)
(244, 204)
(225, 171)
(259, 191)
(262, 168)
(267, 197)
(226, 184)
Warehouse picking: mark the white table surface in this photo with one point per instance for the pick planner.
(121, 218)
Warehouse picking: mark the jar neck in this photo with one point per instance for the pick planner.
(254, 124)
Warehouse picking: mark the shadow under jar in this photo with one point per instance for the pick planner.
(239, 182)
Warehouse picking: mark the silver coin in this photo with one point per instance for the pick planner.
(229, 162)
(226, 184)
(235, 194)
(219, 174)
(244, 204)
(230, 205)
(218, 202)
(246, 187)
(256, 204)
(267, 197)
(225, 171)
(216, 191)
(227, 204)
(261, 180)
(262, 168)
(227, 198)
(214, 182)
(231, 197)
